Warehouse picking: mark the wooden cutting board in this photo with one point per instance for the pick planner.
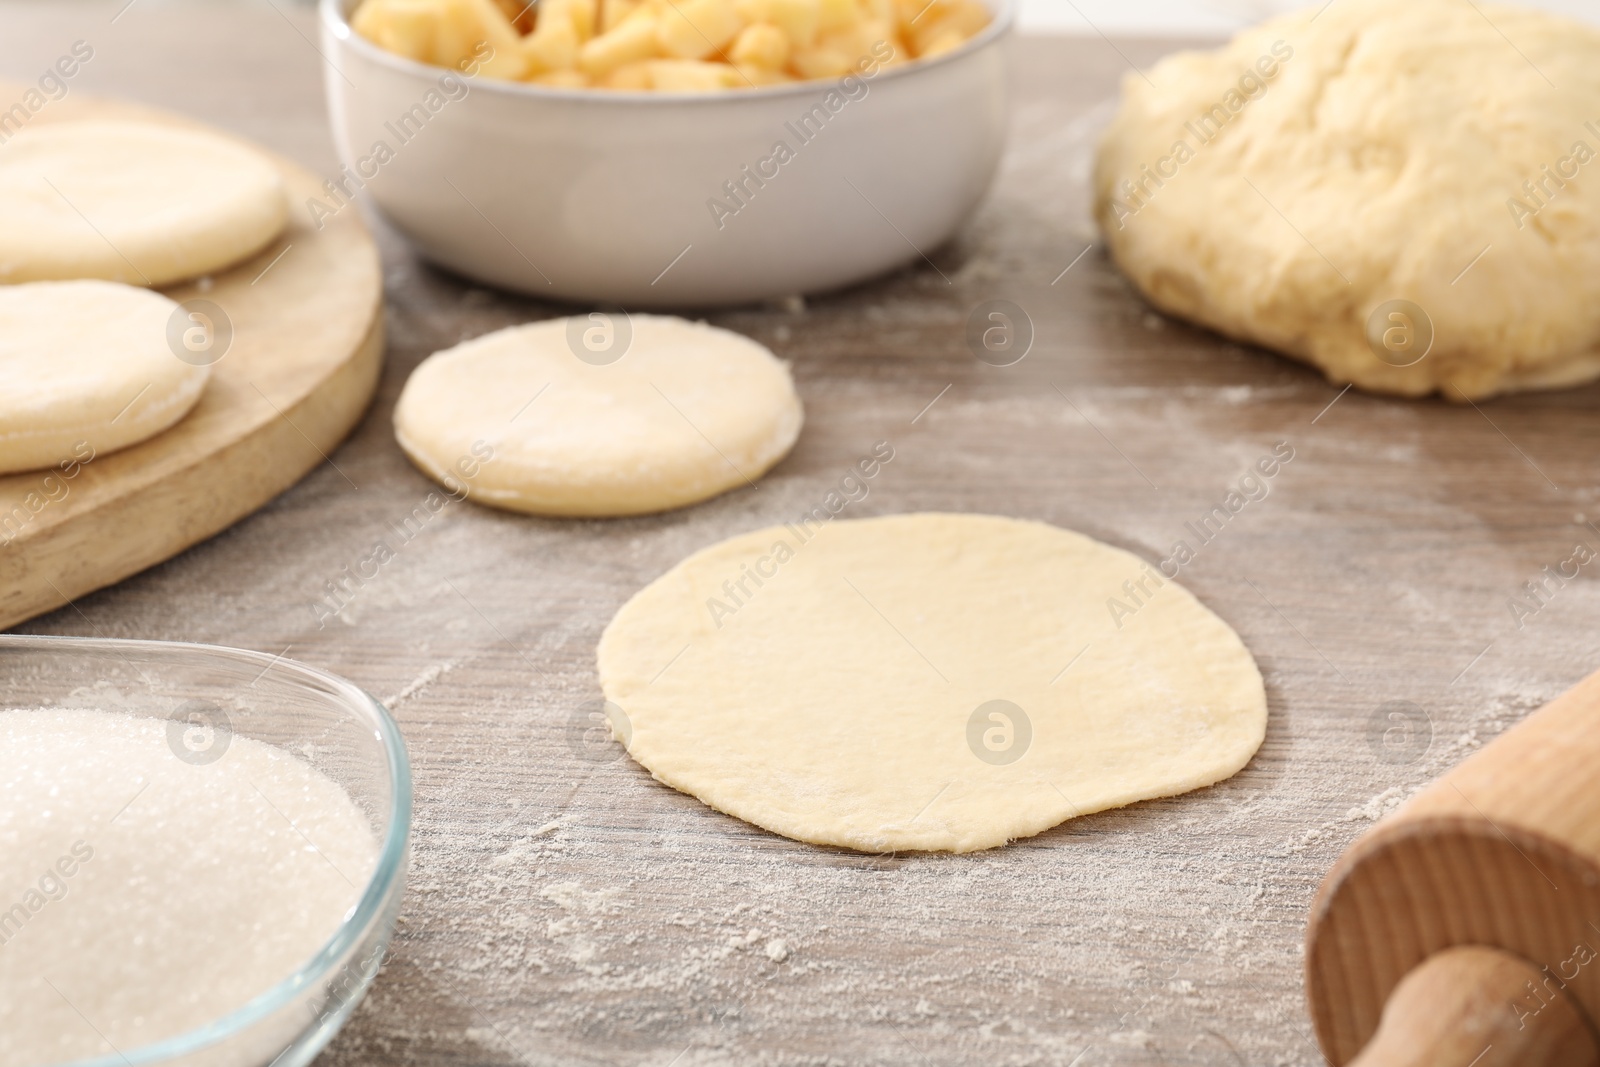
(301, 368)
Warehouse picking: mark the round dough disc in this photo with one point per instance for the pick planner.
(937, 682)
(86, 363)
(1290, 188)
(684, 412)
(132, 202)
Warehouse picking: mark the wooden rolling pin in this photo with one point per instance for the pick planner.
(1464, 929)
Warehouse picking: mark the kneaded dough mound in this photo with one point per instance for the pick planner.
(1397, 139)
(86, 363)
(132, 202)
(516, 420)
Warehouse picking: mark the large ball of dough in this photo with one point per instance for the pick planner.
(86, 363)
(599, 415)
(132, 202)
(1287, 188)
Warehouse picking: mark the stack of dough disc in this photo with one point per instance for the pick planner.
(93, 215)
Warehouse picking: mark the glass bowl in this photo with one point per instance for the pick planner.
(322, 719)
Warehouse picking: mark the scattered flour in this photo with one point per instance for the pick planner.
(575, 911)
(418, 684)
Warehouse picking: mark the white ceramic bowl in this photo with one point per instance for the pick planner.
(604, 197)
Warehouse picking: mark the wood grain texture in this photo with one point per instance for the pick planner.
(1504, 851)
(565, 908)
(1456, 1008)
(305, 345)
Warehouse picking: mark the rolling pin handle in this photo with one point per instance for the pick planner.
(1472, 1007)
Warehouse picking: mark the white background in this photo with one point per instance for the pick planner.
(1188, 17)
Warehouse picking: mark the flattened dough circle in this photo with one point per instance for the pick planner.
(86, 362)
(132, 202)
(846, 699)
(687, 411)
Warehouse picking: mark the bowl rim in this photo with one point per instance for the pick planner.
(387, 874)
(331, 15)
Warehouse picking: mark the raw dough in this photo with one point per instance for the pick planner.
(681, 412)
(132, 202)
(1396, 138)
(844, 695)
(86, 362)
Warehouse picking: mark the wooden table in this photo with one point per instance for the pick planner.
(565, 908)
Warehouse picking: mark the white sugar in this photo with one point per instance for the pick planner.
(142, 895)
